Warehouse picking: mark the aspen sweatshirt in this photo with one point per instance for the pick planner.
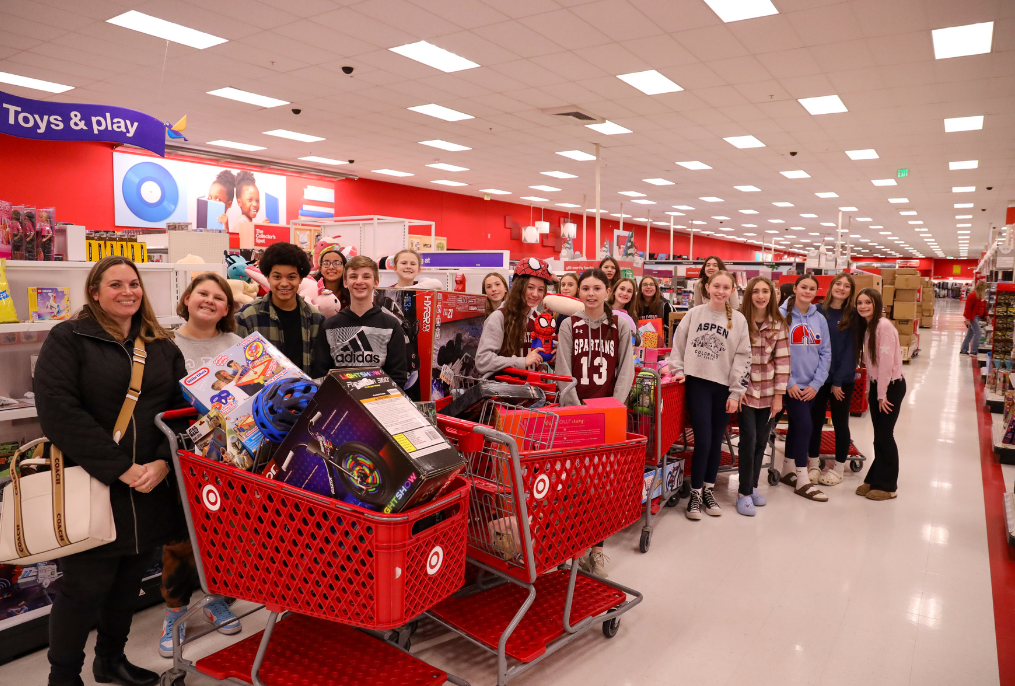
(706, 347)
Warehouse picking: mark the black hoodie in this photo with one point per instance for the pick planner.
(348, 340)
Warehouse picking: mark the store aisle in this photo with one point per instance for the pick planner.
(847, 592)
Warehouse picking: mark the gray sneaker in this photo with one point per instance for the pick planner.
(711, 506)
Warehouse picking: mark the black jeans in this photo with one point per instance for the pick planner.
(840, 420)
(798, 434)
(754, 431)
(706, 404)
(97, 592)
(883, 474)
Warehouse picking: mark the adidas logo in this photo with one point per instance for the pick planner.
(359, 347)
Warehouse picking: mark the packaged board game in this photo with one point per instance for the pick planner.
(362, 441)
(47, 303)
(5, 230)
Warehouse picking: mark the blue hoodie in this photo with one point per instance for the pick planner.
(810, 350)
(843, 369)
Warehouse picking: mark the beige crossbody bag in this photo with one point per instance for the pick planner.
(53, 514)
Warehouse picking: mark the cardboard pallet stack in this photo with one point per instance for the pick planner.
(927, 304)
(901, 291)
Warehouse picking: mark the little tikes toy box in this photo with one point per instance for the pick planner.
(362, 441)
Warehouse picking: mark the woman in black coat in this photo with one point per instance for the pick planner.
(81, 380)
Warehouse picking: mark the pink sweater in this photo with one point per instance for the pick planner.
(889, 366)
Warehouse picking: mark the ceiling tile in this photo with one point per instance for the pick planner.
(566, 29)
(468, 14)
(518, 38)
(842, 56)
(902, 48)
(614, 59)
(678, 15)
(618, 19)
(523, 8)
(763, 91)
(570, 66)
(856, 80)
(737, 70)
(659, 51)
(711, 43)
(787, 63)
(828, 24)
(528, 73)
(766, 34)
(364, 28)
(406, 17)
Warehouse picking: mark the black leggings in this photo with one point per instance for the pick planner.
(840, 420)
(754, 431)
(798, 433)
(883, 474)
(706, 404)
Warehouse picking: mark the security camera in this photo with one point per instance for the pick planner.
(990, 188)
(352, 161)
(347, 70)
(296, 110)
(792, 154)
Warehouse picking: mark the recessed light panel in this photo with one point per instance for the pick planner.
(248, 97)
(633, 194)
(566, 204)
(711, 198)
(166, 30)
(744, 142)
(293, 135)
(577, 155)
(650, 82)
(966, 164)
(645, 202)
(961, 205)
(748, 189)
(533, 198)
(748, 211)
(826, 104)
(959, 41)
(963, 189)
(884, 182)
(898, 201)
(809, 216)
(35, 84)
(682, 207)
(559, 175)
(738, 10)
(963, 216)
(608, 128)
(796, 174)
(964, 124)
(237, 146)
(391, 172)
(435, 57)
(658, 182)
(827, 194)
(323, 160)
(783, 204)
(868, 154)
(441, 112)
(694, 165)
(445, 182)
(494, 191)
(447, 167)
(545, 189)
(444, 145)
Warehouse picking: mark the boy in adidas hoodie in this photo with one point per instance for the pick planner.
(361, 335)
(810, 356)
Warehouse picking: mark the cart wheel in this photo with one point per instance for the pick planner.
(821, 463)
(611, 627)
(855, 465)
(674, 500)
(167, 679)
(773, 477)
(685, 489)
(413, 626)
(644, 544)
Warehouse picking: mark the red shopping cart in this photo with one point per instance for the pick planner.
(530, 511)
(328, 563)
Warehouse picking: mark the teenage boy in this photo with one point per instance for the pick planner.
(288, 321)
(361, 335)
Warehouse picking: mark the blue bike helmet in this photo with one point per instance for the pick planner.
(280, 404)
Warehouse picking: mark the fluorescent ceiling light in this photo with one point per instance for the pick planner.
(391, 172)
(776, 221)
(744, 142)
(848, 209)
(908, 213)
(435, 57)
(749, 226)
(809, 216)
(748, 189)
(967, 164)
(783, 204)
(796, 174)
(323, 160)
(617, 214)
(694, 165)
(494, 191)
(675, 214)
(633, 194)
(559, 175)
(960, 205)
(748, 211)
(577, 155)
(35, 84)
(898, 200)
(293, 135)
(608, 128)
(964, 124)
(867, 154)
(827, 224)
(645, 202)
(959, 41)
(720, 218)
(863, 219)
(963, 216)
(963, 225)
(698, 222)
(441, 112)
(963, 189)
(445, 182)
(447, 167)
(444, 145)
(248, 97)
(827, 194)
(916, 221)
(658, 182)
(711, 198)
(566, 204)
(166, 30)
(884, 182)
(826, 104)
(737, 10)
(751, 234)
(771, 231)
(650, 82)
(682, 207)
(237, 146)
(533, 198)
(797, 228)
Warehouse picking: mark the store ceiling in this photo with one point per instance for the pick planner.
(740, 78)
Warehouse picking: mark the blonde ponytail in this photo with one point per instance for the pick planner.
(729, 315)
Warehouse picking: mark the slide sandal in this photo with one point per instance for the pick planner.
(811, 492)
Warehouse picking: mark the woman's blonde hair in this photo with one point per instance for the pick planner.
(150, 330)
(980, 289)
(419, 258)
(226, 324)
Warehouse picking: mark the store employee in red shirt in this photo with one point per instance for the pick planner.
(976, 309)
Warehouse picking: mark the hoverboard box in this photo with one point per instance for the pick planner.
(362, 441)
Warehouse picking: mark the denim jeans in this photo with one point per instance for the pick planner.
(971, 343)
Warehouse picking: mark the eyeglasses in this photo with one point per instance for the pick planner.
(332, 263)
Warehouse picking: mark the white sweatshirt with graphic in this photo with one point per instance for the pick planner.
(706, 347)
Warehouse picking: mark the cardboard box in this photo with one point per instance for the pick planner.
(675, 318)
(672, 478)
(887, 295)
(600, 421)
(863, 281)
(362, 441)
(906, 339)
(905, 310)
(908, 295)
(906, 326)
(907, 272)
(907, 281)
(888, 276)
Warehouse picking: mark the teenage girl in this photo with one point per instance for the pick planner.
(495, 288)
(700, 294)
(649, 303)
(407, 266)
(769, 376)
(622, 298)
(974, 313)
(595, 348)
(810, 356)
(568, 285)
(838, 387)
(712, 354)
(882, 356)
(330, 268)
(611, 268)
(505, 339)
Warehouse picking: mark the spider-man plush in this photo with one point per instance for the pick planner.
(544, 335)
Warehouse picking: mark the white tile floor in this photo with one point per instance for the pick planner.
(848, 592)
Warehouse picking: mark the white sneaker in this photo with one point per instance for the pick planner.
(595, 564)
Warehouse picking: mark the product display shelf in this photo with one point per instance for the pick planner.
(17, 413)
(1009, 516)
(994, 401)
(17, 327)
(1004, 451)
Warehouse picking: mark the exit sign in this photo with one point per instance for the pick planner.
(903, 173)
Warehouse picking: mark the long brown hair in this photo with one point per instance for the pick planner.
(516, 317)
(150, 330)
(226, 324)
(568, 275)
(612, 300)
(489, 304)
(703, 280)
(616, 274)
(867, 332)
(848, 305)
(752, 314)
(649, 307)
(791, 300)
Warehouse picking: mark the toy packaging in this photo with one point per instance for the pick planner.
(5, 230)
(7, 313)
(600, 421)
(17, 237)
(28, 232)
(469, 405)
(673, 477)
(362, 441)
(231, 381)
(46, 303)
(45, 220)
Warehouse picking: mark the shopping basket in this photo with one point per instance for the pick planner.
(295, 551)
(858, 403)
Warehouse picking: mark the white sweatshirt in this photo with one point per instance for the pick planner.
(705, 347)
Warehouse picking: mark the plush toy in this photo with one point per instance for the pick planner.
(544, 335)
(243, 293)
(258, 278)
(236, 267)
(326, 303)
(429, 284)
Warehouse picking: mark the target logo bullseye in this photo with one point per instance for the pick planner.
(435, 560)
(211, 498)
(541, 487)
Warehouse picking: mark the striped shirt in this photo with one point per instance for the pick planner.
(769, 365)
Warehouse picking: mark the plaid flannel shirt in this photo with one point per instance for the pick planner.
(260, 316)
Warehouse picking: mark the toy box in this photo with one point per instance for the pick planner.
(48, 303)
(230, 382)
(673, 477)
(44, 231)
(29, 239)
(600, 421)
(5, 230)
(362, 441)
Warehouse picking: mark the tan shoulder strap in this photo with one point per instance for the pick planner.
(136, 374)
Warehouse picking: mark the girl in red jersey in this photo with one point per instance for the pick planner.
(594, 347)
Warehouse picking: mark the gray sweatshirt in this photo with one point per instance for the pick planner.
(704, 347)
(200, 351)
(624, 357)
(488, 357)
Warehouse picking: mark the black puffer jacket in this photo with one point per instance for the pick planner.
(81, 380)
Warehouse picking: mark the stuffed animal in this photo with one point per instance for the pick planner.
(243, 293)
(236, 267)
(258, 278)
(544, 335)
(326, 303)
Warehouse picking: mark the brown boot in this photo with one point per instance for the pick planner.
(881, 495)
(863, 489)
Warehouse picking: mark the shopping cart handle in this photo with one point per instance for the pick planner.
(533, 376)
(182, 412)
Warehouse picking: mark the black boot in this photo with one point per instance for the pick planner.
(76, 682)
(118, 671)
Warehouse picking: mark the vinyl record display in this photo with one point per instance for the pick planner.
(150, 192)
